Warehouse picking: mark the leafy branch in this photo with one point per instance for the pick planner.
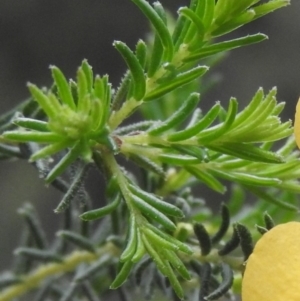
(77, 124)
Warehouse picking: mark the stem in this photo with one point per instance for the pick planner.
(144, 139)
(70, 262)
(149, 152)
(112, 165)
(127, 108)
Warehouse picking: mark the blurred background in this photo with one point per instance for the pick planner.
(35, 34)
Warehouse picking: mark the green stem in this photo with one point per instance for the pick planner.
(144, 139)
(127, 108)
(112, 165)
(149, 152)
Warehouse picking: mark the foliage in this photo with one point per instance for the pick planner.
(153, 227)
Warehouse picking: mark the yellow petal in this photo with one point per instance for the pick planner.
(273, 269)
(297, 124)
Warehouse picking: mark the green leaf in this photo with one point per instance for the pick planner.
(266, 8)
(122, 275)
(96, 115)
(156, 57)
(197, 127)
(168, 238)
(50, 150)
(98, 213)
(137, 72)
(219, 130)
(180, 80)
(158, 240)
(196, 29)
(49, 107)
(157, 48)
(178, 33)
(83, 104)
(254, 107)
(246, 178)
(102, 90)
(278, 109)
(224, 46)
(174, 281)
(208, 13)
(271, 132)
(140, 248)
(88, 71)
(234, 23)
(154, 254)
(207, 178)
(131, 245)
(32, 124)
(148, 164)
(122, 90)
(259, 117)
(68, 159)
(194, 151)
(271, 199)
(135, 127)
(176, 263)
(226, 9)
(176, 159)
(39, 137)
(160, 11)
(288, 147)
(154, 201)
(141, 52)
(153, 213)
(160, 28)
(178, 117)
(246, 151)
(63, 88)
(164, 267)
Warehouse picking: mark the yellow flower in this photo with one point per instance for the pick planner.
(273, 269)
(297, 124)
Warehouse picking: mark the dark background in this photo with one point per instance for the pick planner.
(37, 33)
